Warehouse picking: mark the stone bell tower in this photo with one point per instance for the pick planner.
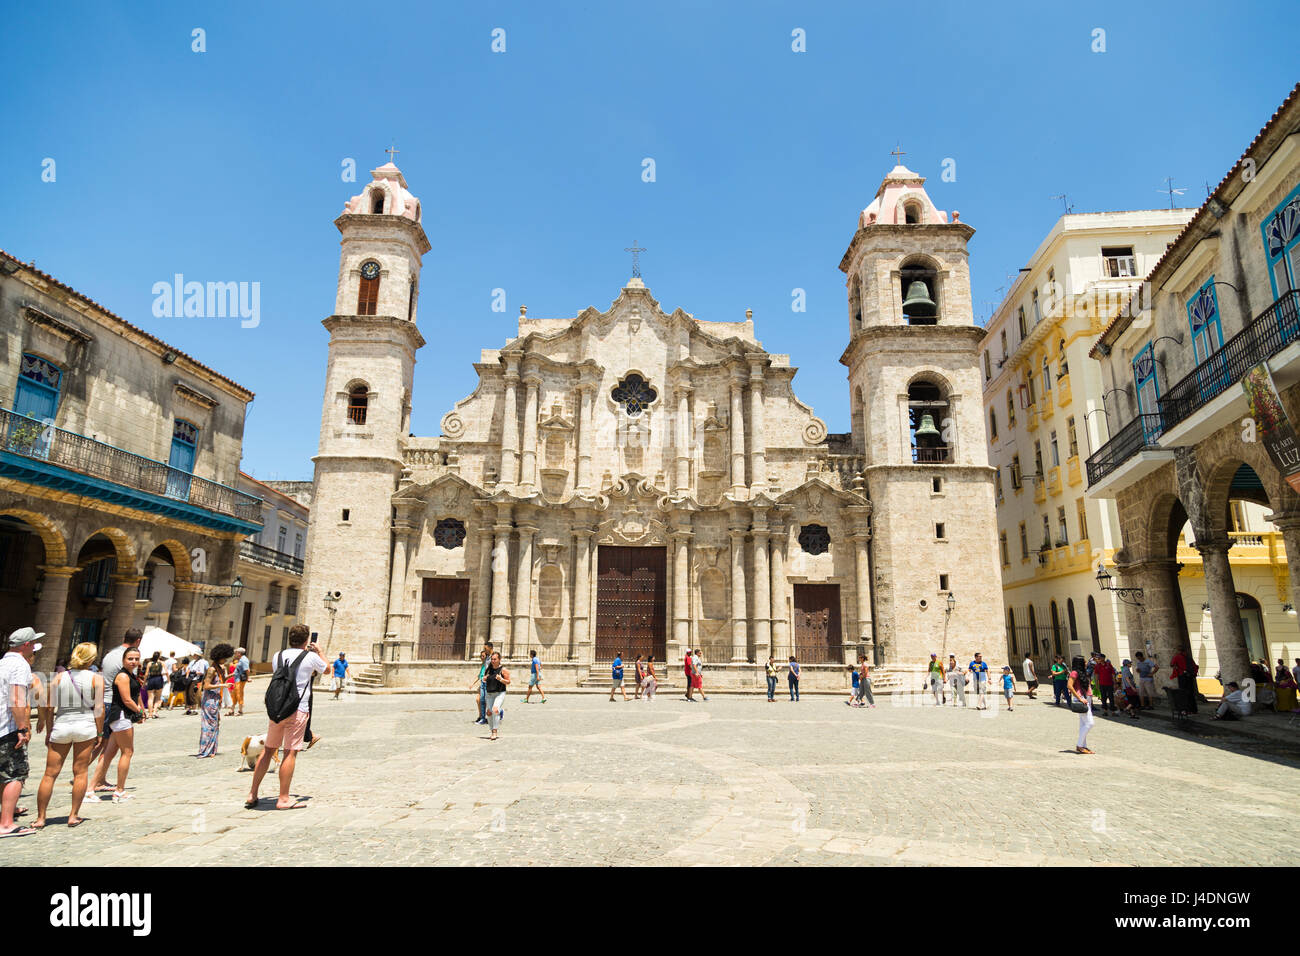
(917, 413)
(365, 415)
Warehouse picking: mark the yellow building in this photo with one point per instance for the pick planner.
(1045, 411)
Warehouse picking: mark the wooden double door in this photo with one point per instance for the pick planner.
(444, 612)
(631, 598)
(818, 637)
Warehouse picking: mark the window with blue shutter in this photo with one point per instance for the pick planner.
(37, 395)
(1281, 232)
(185, 441)
(1147, 384)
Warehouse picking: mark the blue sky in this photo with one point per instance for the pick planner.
(225, 165)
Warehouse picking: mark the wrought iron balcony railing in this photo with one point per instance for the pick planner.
(1142, 432)
(252, 551)
(1267, 334)
(29, 438)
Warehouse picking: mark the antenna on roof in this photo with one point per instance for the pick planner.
(1061, 196)
(1169, 180)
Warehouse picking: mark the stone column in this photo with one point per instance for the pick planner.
(399, 616)
(757, 439)
(510, 422)
(122, 613)
(684, 439)
(861, 537)
(500, 632)
(586, 395)
(681, 634)
(1156, 629)
(739, 619)
(1229, 638)
(737, 426)
(528, 478)
(51, 611)
(581, 649)
(524, 591)
(781, 647)
(762, 591)
(180, 619)
(1288, 525)
(483, 619)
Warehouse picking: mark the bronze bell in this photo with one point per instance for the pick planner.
(926, 429)
(918, 301)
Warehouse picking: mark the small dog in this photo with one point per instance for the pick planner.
(252, 749)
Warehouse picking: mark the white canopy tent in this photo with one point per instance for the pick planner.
(156, 639)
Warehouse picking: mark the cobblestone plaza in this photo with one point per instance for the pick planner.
(410, 780)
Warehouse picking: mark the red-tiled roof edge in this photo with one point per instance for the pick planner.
(135, 328)
(274, 491)
(1113, 329)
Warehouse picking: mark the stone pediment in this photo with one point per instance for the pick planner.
(816, 494)
(446, 492)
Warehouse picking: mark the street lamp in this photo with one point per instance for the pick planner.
(235, 589)
(1131, 596)
(952, 603)
(331, 605)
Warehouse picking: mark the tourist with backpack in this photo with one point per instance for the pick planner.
(288, 708)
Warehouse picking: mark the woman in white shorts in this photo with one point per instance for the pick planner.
(123, 712)
(77, 702)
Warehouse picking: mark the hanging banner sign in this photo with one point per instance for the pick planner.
(1272, 425)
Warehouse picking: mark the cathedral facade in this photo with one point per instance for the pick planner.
(636, 481)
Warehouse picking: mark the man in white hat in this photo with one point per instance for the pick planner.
(15, 725)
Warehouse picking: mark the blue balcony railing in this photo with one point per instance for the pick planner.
(43, 443)
(1142, 432)
(1267, 334)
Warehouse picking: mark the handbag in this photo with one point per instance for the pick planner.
(1077, 706)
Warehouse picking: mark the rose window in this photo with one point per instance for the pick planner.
(634, 394)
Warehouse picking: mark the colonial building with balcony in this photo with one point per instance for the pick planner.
(1202, 370)
(119, 457)
(270, 568)
(1044, 414)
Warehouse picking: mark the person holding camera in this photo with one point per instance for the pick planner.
(289, 734)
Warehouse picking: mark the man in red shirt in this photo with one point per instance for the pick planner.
(690, 674)
(1105, 672)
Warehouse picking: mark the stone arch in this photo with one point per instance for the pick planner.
(920, 268)
(180, 558)
(124, 548)
(1165, 519)
(56, 545)
(1230, 478)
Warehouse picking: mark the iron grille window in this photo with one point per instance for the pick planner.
(635, 394)
(291, 601)
(273, 602)
(814, 539)
(449, 533)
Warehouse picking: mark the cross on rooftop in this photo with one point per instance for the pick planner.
(392, 152)
(898, 154)
(636, 258)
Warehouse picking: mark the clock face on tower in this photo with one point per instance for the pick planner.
(370, 270)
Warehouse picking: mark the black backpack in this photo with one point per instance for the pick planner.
(282, 697)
